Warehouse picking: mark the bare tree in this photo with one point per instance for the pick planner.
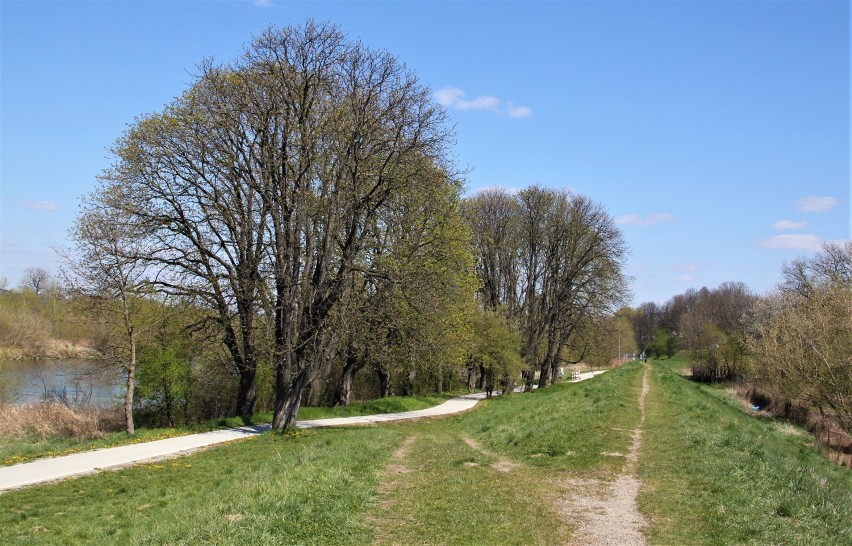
(105, 267)
(258, 189)
(36, 279)
(832, 266)
(344, 129)
(802, 349)
(801, 336)
(493, 216)
(553, 262)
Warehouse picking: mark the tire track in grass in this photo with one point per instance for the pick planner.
(607, 512)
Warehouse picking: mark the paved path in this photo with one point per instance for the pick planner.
(90, 462)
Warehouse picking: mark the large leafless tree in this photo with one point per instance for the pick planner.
(259, 188)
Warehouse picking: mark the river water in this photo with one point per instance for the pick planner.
(75, 381)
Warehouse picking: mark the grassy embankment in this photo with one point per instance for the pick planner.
(711, 473)
(321, 486)
(16, 448)
(715, 474)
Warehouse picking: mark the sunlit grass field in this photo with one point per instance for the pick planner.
(711, 474)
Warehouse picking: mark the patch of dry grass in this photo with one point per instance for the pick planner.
(52, 419)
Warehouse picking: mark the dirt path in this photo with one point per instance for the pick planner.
(606, 512)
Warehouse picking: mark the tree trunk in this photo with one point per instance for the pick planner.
(544, 375)
(508, 385)
(408, 388)
(529, 377)
(489, 383)
(288, 396)
(128, 396)
(554, 371)
(247, 393)
(471, 382)
(343, 395)
(167, 399)
(384, 381)
(481, 385)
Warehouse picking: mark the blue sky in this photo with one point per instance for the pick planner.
(715, 133)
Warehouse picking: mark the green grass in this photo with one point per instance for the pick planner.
(567, 426)
(322, 487)
(447, 492)
(14, 450)
(711, 473)
(714, 474)
(310, 487)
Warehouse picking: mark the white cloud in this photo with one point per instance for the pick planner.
(453, 97)
(40, 205)
(795, 241)
(813, 203)
(685, 278)
(262, 3)
(448, 96)
(497, 188)
(782, 225)
(650, 220)
(485, 102)
(519, 111)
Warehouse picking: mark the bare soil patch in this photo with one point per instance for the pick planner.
(395, 467)
(502, 465)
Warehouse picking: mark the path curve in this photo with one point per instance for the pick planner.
(90, 462)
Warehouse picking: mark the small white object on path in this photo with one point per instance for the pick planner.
(89, 462)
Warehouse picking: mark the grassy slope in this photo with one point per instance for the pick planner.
(305, 489)
(321, 486)
(715, 475)
(448, 492)
(567, 426)
(712, 474)
(15, 450)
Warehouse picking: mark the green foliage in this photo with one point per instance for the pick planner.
(496, 348)
(718, 356)
(163, 384)
(662, 344)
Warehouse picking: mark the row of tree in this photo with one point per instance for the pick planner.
(551, 263)
(297, 207)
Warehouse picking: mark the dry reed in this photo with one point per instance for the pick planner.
(52, 419)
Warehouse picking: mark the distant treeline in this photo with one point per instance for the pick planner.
(793, 347)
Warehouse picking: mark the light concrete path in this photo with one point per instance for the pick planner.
(89, 462)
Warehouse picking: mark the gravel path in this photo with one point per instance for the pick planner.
(90, 462)
(607, 512)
